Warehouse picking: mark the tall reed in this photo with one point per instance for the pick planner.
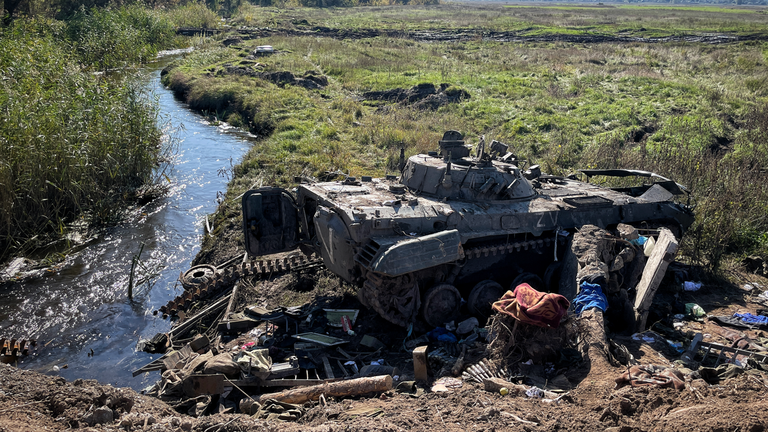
(72, 144)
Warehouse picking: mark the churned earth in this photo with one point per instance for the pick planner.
(33, 401)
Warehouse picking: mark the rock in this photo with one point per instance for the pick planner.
(627, 232)
(310, 80)
(102, 415)
(186, 425)
(421, 96)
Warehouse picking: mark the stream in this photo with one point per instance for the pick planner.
(82, 319)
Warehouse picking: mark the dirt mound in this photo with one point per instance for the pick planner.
(309, 80)
(421, 96)
(31, 401)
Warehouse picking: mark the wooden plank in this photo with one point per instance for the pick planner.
(663, 253)
(224, 324)
(328, 368)
(343, 369)
(154, 365)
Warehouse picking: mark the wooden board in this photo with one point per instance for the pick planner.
(663, 254)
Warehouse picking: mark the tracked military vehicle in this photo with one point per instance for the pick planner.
(452, 226)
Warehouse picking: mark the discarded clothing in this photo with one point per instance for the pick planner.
(650, 375)
(273, 410)
(534, 392)
(733, 322)
(533, 307)
(442, 335)
(590, 296)
(748, 318)
(694, 310)
(691, 286)
(256, 362)
(722, 372)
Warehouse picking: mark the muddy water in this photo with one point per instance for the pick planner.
(84, 308)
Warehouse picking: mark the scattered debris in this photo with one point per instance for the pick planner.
(263, 50)
(648, 375)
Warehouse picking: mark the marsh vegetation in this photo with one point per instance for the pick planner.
(694, 112)
(76, 144)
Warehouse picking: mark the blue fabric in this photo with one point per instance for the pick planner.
(441, 334)
(748, 318)
(590, 296)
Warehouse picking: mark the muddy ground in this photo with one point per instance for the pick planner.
(472, 34)
(32, 401)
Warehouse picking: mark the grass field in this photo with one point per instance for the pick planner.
(692, 111)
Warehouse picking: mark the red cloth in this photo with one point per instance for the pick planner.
(533, 307)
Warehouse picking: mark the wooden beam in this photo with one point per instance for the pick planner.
(352, 387)
(663, 254)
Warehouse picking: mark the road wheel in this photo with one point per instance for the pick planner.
(482, 296)
(531, 279)
(441, 304)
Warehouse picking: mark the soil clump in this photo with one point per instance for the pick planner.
(421, 96)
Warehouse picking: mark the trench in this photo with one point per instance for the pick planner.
(80, 315)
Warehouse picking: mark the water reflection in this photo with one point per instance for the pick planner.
(83, 308)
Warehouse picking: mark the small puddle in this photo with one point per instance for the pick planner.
(81, 316)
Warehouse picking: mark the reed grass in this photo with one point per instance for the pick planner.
(115, 38)
(73, 145)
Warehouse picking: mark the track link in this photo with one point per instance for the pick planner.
(14, 347)
(213, 280)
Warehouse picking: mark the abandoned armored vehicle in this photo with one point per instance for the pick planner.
(452, 226)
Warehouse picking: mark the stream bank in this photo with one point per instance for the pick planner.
(79, 313)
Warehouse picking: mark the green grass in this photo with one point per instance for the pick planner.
(644, 21)
(691, 9)
(697, 113)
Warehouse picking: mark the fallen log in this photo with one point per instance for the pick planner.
(352, 387)
(595, 341)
